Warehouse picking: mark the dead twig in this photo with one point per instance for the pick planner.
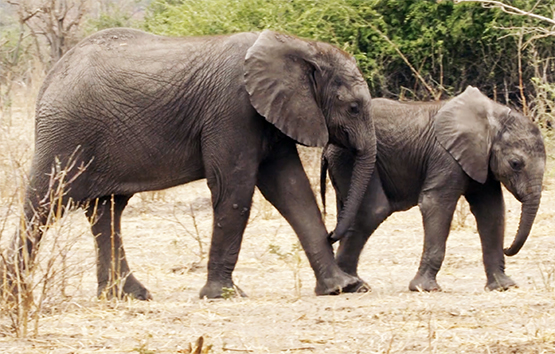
(510, 9)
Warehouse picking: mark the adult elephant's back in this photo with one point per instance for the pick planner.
(135, 105)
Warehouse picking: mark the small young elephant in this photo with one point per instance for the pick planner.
(432, 153)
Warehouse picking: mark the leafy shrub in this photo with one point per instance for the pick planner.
(449, 45)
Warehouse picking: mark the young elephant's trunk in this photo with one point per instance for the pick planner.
(362, 171)
(527, 215)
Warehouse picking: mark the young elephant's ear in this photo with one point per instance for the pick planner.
(463, 128)
(279, 78)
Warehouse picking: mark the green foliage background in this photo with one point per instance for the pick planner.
(450, 45)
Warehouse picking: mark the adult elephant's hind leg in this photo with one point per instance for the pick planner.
(112, 269)
(39, 214)
(283, 182)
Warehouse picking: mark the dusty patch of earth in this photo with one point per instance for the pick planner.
(282, 314)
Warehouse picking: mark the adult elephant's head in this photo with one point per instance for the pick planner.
(315, 93)
(484, 136)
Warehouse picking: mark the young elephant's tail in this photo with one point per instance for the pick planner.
(323, 175)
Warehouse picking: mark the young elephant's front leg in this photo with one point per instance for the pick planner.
(374, 209)
(284, 183)
(437, 213)
(488, 207)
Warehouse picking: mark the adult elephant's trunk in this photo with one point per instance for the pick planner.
(362, 171)
(527, 215)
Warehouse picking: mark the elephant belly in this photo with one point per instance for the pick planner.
(401, 186)
(125, 169)
(155, 170)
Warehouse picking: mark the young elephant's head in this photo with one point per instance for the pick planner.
(485, 136)
(314, 93)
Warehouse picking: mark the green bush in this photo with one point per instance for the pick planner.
(453, 46)
(340, 22)
(450, 45)
(109, 14)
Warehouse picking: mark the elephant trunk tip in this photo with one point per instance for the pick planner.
(513, 250)
(335, 236)
(510, 252)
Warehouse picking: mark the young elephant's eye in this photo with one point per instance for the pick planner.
(516, 164)
(354, 108)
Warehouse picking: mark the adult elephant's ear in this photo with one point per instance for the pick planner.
(463, 128)
(279, 77)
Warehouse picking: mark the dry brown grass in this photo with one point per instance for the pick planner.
(279, 316)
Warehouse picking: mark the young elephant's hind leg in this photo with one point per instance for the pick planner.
(112, 269)
(437, 208)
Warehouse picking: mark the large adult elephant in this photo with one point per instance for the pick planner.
(433, 153)
(126, 111)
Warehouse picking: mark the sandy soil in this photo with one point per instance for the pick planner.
(282, 314)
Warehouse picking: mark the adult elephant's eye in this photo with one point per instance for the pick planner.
(516, 164)
(354, 108)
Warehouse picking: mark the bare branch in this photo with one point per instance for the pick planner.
(30, 16)
(80, 13)
(37, 45)
(61, 13)
(55, 21)
(510, 9)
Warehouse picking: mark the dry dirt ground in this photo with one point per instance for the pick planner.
(282, 314)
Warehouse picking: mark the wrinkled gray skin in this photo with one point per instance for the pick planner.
(144, 112)
(431, 154)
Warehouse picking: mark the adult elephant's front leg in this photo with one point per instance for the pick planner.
(437, 210)
(283, 183)
(488, 207)
(231, 177)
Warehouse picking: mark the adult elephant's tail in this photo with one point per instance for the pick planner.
(323, 177)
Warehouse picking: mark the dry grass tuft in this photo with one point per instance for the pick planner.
(462, 216)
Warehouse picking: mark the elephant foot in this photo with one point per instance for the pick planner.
(421, 283)
(341, 283)
(500, 282)
(132, 288)
(221, 290)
